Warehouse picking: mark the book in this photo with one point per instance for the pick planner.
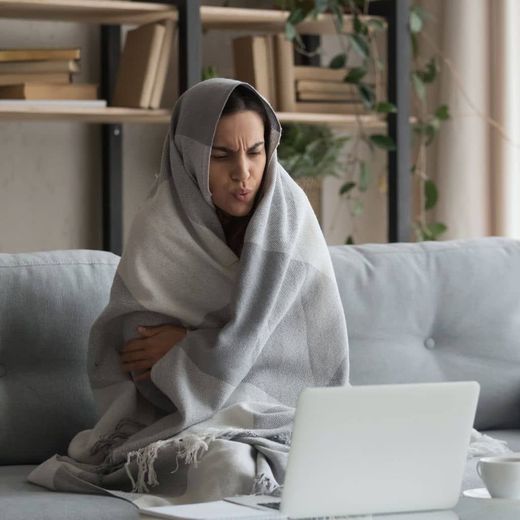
(13, 79)
(285, 73)
(80, 103)
(39, 54)
(271, 73)
(137, 68)
(251, 63)
(38, 67)
(49, 91)
(332, 87)
(330, 107)
(326, 96)
(163, 65)
(308, 72)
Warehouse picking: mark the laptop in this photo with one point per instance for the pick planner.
(364, 450)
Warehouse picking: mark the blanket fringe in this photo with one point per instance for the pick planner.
(482, 445)
(125, 428)
(189, 450)
(264, 485)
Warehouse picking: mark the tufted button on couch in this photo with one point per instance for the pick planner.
(426, 312)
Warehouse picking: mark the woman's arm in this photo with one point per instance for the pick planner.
(140, 354)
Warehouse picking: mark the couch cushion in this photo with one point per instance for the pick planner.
(48, 301)
(20, 500)
(437, 311)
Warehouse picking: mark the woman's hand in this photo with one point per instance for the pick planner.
(140, 354)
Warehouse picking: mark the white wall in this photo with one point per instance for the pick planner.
(50, 173)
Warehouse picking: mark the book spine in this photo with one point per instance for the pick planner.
(271, 64)
(39, 54)
(307, 72)
(327, 96)
(162, 66)
(330, 108)
(285, 74)
(251, 61)
(332, 87)
(12, 79)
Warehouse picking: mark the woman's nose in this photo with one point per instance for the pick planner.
(240, 169)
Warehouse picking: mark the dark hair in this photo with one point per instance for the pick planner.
(242, 99)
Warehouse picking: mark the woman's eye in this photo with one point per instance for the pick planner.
(255, 153)
(219, 156)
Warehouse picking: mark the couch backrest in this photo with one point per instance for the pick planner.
(437, 311)
(48, 301)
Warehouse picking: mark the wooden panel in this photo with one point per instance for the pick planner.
(96, 11)
(268, 20)
(128, 115)
(89, 115)
(345, 121)
(135, 13)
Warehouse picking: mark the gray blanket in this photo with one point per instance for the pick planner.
(215, 419)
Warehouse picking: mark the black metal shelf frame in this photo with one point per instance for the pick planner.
(396, 13)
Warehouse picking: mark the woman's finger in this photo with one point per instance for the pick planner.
(134, 345)
(137, 365)
(144, 376)
(136, 355)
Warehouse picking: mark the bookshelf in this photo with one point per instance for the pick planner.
(191, 18)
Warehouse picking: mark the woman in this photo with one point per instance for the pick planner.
(227, 279)
(236, 171)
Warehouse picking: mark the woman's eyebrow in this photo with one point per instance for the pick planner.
(224, 149)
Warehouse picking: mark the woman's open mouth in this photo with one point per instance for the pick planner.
(242, 195)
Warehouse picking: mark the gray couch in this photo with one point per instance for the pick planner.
(415, 312)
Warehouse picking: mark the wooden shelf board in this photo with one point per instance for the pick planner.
(134, 115)
(96, 11)
(268, 20)
(348, 121)
(89, 115)
(136, 13)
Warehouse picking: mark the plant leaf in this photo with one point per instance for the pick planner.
(320, 6)
(364, 176)
(296, 16)
(431, 194)
(419, 87)
(443, 112)
(382, 141)
(367, 95)
(376, 24)
(339, 61)
(355, 74)
(416, 19)
(360, 45)
(349, 241)
(359, 26)
(429, 73)
(290, 31)
(358, 207)
(346, 187)
(436, 229)
(385, 107)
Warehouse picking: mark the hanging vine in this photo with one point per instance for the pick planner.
(364, 68)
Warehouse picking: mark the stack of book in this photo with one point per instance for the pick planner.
(267, 63)
(144, 64)
(44, 76)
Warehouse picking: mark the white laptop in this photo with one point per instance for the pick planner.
(364, 450)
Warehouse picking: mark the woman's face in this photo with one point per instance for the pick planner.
(237, 162)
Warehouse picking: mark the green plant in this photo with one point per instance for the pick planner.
(360, 59)
(425, 128)
(209, 72)
(311, 150)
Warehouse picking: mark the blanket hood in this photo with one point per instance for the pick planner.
(194, 121)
